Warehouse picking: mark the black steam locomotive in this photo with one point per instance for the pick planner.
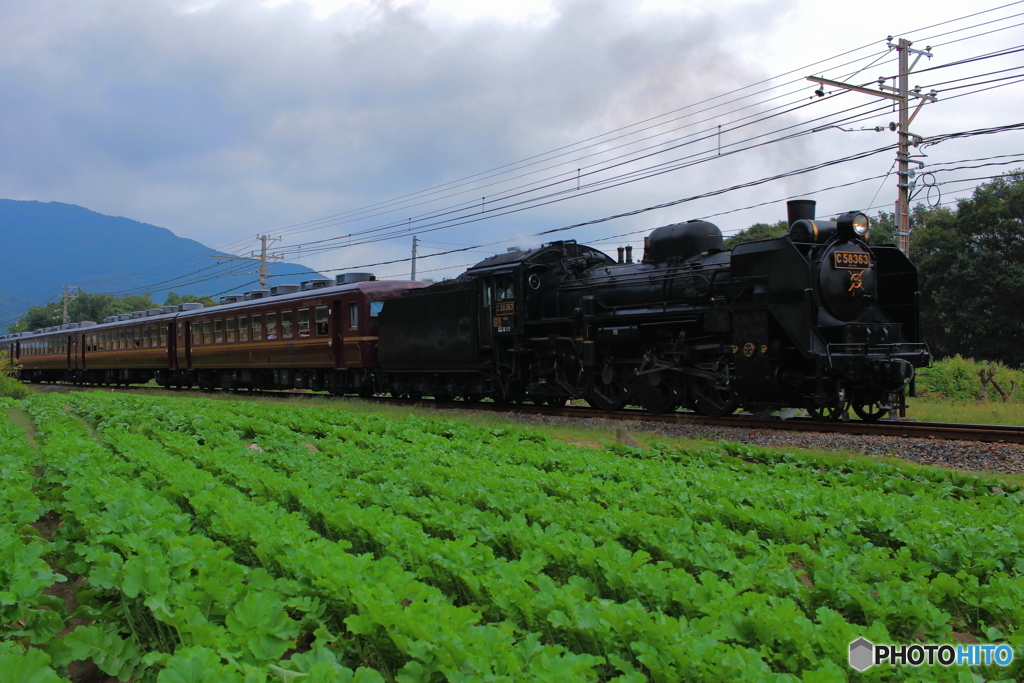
(817, 319)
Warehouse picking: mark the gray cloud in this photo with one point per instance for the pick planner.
(224, 121)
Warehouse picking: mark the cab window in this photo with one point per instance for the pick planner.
(504, 289)
(375, 308)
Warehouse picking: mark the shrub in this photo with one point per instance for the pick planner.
(957, 378)
(10, 387)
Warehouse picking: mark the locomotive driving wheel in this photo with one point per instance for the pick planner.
(711, 398)
(657, 387)
(609, 386)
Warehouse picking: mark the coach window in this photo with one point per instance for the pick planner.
(321, 321)
(137, 341)
(271, 325)
(303, 322)
(163, 336)
(218, 331)
(197, 334)
(207, 337)
(286, 324)
(122, 339)
(181, 329)
(145, 337)
(353, 316)
(243, 328)
(257, 328)
(229, 329)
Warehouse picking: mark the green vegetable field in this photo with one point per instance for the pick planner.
(228, 541)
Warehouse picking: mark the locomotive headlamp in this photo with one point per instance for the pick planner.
(853, 223)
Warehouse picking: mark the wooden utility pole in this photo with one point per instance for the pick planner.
(263, 258)
(902, 95)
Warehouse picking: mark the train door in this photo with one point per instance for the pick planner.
(186, 343)
(485, 327)
(83, 348)
(172, 346)
(337, 336)
(69, 352)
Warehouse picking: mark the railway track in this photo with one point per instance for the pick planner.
(894, 428)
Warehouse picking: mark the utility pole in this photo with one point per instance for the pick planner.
(902, 95)
(415, 241)
(262, 258)
(66, 297)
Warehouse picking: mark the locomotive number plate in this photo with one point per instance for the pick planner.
(506, 307)
(854, 260)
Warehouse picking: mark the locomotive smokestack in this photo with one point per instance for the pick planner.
(800, 210)
(620, 255)
(629, 254)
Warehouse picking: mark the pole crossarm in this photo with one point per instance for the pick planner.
(855, 88)
(902, 95)
(262, 259)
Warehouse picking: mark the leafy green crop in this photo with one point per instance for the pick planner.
(232, 541)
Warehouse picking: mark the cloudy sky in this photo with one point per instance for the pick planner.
(348, 126)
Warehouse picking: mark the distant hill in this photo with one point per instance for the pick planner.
(44, 245)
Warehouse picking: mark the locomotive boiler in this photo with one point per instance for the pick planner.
(817, 319)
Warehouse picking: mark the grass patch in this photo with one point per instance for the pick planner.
(928, 409)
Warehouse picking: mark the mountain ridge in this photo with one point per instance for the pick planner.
(50, 244)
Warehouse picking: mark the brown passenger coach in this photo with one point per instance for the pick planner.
(321, 338)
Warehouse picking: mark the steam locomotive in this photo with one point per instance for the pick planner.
(817, 319)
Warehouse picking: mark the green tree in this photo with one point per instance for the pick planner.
(758, 231)
(94, 307)
(971, 266)
(38, 317)
(173, 299)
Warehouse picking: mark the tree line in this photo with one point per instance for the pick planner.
(96, 307)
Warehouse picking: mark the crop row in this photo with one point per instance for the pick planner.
(668, 566)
